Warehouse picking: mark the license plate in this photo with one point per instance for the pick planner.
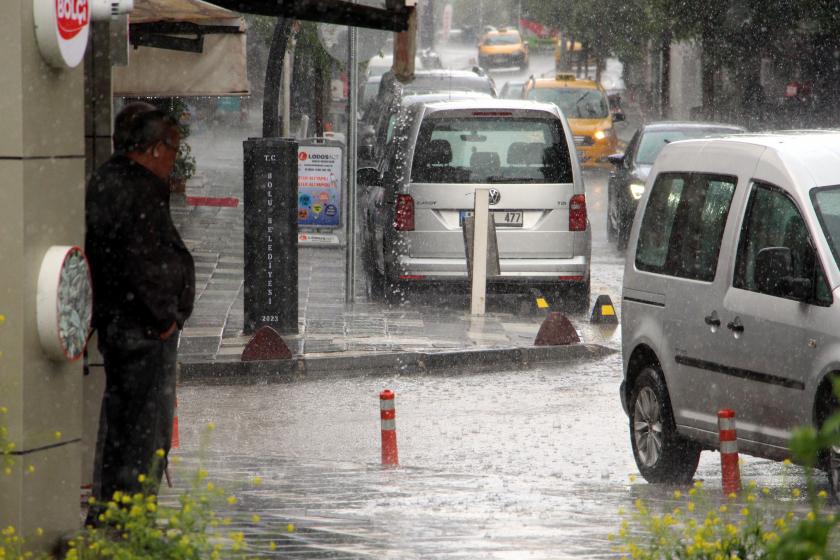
(503, 218)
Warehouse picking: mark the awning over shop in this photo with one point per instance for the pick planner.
(183, 48)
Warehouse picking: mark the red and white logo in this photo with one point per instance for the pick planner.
(62, 28)
(303, 156)
(72, 16)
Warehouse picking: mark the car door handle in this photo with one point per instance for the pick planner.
(735, 325)
(712, 320)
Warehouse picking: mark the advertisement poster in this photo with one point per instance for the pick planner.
(319, 186)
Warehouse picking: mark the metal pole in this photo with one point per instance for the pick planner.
(273, 77)
(479, 261)
(352, 133)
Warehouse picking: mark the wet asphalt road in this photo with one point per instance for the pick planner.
(516, 464)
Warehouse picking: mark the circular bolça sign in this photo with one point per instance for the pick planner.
(61, 29)
(64, 303)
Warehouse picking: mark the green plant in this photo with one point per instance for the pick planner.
(744, 526)
(6, 446)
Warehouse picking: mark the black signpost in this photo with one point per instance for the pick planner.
(271, 256)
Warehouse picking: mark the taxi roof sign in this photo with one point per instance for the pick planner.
(565, 77)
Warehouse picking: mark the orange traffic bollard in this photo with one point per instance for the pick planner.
(388, 414)
(176, 435)
(729, 468)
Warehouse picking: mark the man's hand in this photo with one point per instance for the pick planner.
(172, 328)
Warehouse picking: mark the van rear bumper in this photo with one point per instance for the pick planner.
(512, 270)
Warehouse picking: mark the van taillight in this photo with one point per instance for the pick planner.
(577, 213)
(404, 215)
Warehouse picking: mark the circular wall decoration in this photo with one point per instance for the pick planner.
(61, 29)
(64, 302)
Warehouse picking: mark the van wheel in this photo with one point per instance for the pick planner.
(830, 459)
(661, 454)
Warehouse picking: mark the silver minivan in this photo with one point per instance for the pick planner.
(440, 152)
(730, 298)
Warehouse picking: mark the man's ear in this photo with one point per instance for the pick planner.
(155, 151)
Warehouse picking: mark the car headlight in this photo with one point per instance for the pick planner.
(637, 190)
(601, 134)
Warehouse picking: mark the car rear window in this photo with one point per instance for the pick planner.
(576, 103)
(443, 83)
(654, 140)
(491, 149)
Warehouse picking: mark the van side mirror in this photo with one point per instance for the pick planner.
(618, 116)
(774, 275)
(368, 177)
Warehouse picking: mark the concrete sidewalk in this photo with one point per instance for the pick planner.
(428, 323)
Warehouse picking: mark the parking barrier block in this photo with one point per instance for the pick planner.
(730, 471)
(388, 414)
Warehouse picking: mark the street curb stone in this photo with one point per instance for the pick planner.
(316, 367)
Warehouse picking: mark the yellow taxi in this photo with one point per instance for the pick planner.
(503, 48)
(585, 105)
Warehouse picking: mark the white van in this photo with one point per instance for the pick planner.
(730, 298)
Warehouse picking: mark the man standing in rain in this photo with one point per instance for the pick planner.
(144, 287)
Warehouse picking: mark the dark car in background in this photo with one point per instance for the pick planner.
(631, 168)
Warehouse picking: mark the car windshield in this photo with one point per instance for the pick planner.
(491, 150)
(653, 141)
(827, 204)
(576, 103)
(502, 40)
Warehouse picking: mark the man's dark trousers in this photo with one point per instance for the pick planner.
(138, 407)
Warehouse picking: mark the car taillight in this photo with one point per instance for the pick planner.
(577, 213)
(404, 215)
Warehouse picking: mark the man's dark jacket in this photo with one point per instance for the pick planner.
(143, 275)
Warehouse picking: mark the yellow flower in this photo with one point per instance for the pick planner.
(57, 435)
(160, 453)
(210, 486)
(39, 531)
(632, 478)
(30, 469)
(732, 495)
(272, 545)
(677, 494)
(751, 498)
(202, 474)
(723, 509)
(255, 518)
(226, 521)
(256, 481)
(7, 471)
(765, 491)
(752, 484)
(231, 500)
(810, 516)
(141, 478)
(4, 410)
(690, 506)
(211, 426)
(822, 494)
(151, 507)
(787, 462)
(290, 528)
(796, 492)
(745, 512)
(731, 529)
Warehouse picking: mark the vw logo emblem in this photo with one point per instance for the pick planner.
(495, 196)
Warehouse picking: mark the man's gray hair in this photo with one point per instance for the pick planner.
(139, 126)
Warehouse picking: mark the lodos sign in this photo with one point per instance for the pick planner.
(61, 29)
